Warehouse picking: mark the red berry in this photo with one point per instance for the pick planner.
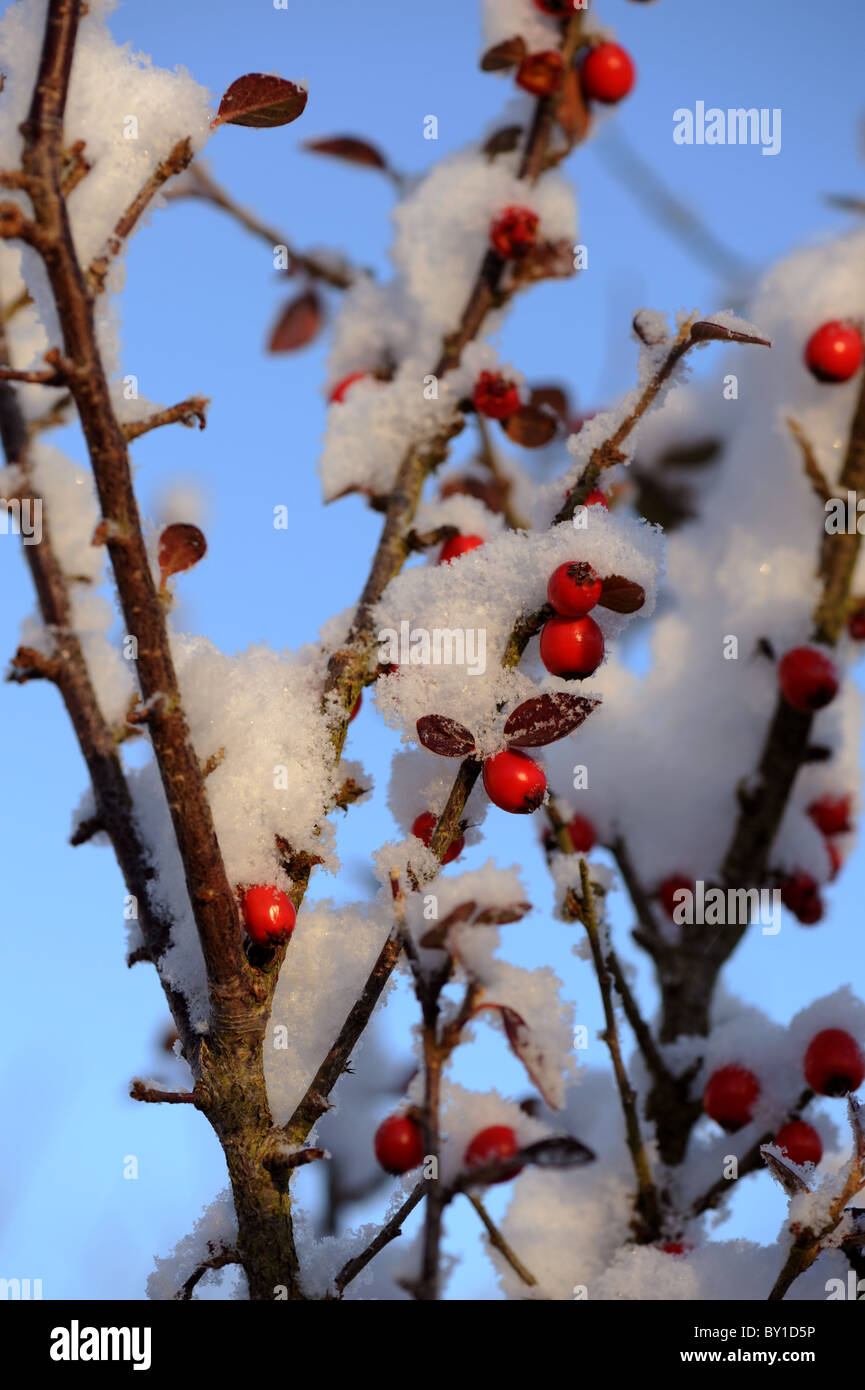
(730, 1096)
(676, 1247)
(495, 1142)
(514, 232)
(607, 74)
(355, 709)
(800, 1142)
(572, 647)
(495, 396)
(514, 782)
(268, 914)
(669, 888)
(583, 834)
(557, 7)
(339, 391)
(456, 546)
(856, 624)
(835, 859)
(424, 826)
(808, 679)
(801, 894)
(834, 1063)
(596, 498)
(835, 351)
(399, 1144)
(831, 814)
(541, 73)
(574, 589)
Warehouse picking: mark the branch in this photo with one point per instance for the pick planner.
(498, 1241)
(813, 471)
(218, 1260)
(393, 1228)
(139, 1090)
(189, 412)
(750, 1162)
(178, 158)
(505, 484)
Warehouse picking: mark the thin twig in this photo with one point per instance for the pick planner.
(389, 1231)
(498, 1241)
(189, 412)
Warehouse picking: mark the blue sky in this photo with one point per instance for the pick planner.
(200, 299)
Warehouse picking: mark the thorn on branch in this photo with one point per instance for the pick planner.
(85, 830)
(218, 1259)
(212, 763)
(28, 664)
(189, 412)
(139, 1090)
(141, 954)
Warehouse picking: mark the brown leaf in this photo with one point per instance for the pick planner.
(555, 398)
(621, 595)
(784, 1174)
(503, 141)
(504, 55)
(349, 148)
(705, 332)
(444, 736)
(436, 936)
(548, 260)
(262, 100)
(546, 718)
(524, 1047)
(531, 427)
(561, 1151)
(500, 916)
(491, 493)
(180, 547)
(298, 323)
(572, 113)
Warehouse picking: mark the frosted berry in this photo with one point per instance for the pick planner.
(668, 890)
(596, 498)
(808, 679)
(572, 647)
(730, 1096)
(268, 914)
(339, 391)
(495, 396)
(801, 895)
(583, 835)
(541, 73)
(495, 1142)
(834, 352)
(834, 1063)
(831, 814)
(424, 826)
(800, 1142)
(607, 74)
(574, 589)
(456, 546)
(399, 1144)
(514, 232)
(514, 782)
(856, 624)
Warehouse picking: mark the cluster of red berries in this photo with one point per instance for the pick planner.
(399, 1145)
(835, 351)
(572, 644)
(268, 914)
(833, 1064)
(423, 827)
(800, 892)
(495, 396)
(606, 73)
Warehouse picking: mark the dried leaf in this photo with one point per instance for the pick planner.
(262, 100)
(561, 1151)
(491, 492)
(437, 935)
(349, 148)
(504, 55)
(444, 736)
(548, 260)
(531, 427)
(554, 398)
(503, 141)
(500, 916)
(528, 1051)
(298, 323)
(621, 595)
(783, 1173)
(705, 332)
(180, 547)
(546, 718)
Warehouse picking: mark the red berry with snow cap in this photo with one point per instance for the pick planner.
(574, 589)
(572, 647)
(424, 826)
(495, 1142)
(541, 73)
(800, 1142)
(730, 1096)
(399, 1144)
(801, 895)
(834, 1063)
(514, 782)
(835, 351)
(831, 814)
(339, 392)
(808, 679)
(514, 232)
(456, 546)
(495, 396)
(596, 498)
(607, 74)
(268, 914)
